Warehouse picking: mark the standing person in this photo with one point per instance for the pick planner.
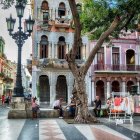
(58, 105)
(3, 99)
(35, 108)
(97, 104)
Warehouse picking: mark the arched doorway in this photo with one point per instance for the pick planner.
(100, 90)
(130, 60)
(61, 88)
(115, 86)
(44, 89)
(129, 84)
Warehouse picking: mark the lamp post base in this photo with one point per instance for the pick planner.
(18, 92)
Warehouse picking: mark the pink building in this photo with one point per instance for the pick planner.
(116, 67)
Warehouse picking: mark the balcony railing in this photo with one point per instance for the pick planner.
(109, 67)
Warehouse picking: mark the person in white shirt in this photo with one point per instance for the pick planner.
(58, 105)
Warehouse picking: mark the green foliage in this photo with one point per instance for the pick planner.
(8, 3)
(99, 14)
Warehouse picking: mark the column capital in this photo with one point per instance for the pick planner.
(123, 79)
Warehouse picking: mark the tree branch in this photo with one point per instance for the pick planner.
(77, 35)
(99, 43)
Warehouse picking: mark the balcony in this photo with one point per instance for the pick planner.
(57, 63)
(109, 67)
(63, 22)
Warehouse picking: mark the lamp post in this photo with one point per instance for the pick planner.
(19, 38)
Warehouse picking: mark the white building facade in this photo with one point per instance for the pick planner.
(52, 38)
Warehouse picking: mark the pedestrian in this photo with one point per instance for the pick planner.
(3, 99)
(35, 108)
(97, 106)
(58, 105)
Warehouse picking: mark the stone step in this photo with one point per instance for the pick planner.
(44, 113)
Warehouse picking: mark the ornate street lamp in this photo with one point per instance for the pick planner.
(19, 38)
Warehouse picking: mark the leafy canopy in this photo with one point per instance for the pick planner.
(97, 15)
(8, 3)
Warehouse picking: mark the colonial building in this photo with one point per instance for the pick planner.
(116, 67)
(7, 71)
(52, 38)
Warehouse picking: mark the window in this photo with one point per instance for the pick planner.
(79, 8)
(78, 56)
(115, 58)
(100, 59)
(61, 48)
(45, 17)
(61, 10)
(44, 6)
(45, 10)
(44, 47)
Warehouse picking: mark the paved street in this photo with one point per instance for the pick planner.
(58, 129)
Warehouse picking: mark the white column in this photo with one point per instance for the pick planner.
(123, 86)
(70, 82)
(53, 50)
(52, 88)
(34, 81)
(108, 89)
(67, 48)
(70, 88)
(56, 51)
(138, 84)
(38, 47)
(50, 50)
(85, 51)
(52, 94)
(93, 94)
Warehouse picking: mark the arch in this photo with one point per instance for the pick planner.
(44, 89)
(44, 5)
(44, 47)
(129, 84)
(61, 88)
(61, 48)
(100, 90)
(130, 59)
(61, 10)
(115, 86)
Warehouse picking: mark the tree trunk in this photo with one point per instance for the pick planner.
(79, 92)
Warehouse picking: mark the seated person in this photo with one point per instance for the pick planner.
(97, 104)
(72, 107)
(58, 105)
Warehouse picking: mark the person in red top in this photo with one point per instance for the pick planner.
(3, 99)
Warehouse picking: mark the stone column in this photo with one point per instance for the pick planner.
(70, 82)
(67, 48)
(52, 80)
(38, 47)
(55, 48)
(138, 84)
(50, 50)
(123, 84)
(108, 89)
(34, 81)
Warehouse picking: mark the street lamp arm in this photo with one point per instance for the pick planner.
(20, 37)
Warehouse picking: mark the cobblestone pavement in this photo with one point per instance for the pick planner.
(58, 129)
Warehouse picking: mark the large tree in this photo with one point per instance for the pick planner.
(101, 20)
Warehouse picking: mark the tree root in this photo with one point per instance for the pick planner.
(88, 119)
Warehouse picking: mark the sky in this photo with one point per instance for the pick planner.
(11, 49)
